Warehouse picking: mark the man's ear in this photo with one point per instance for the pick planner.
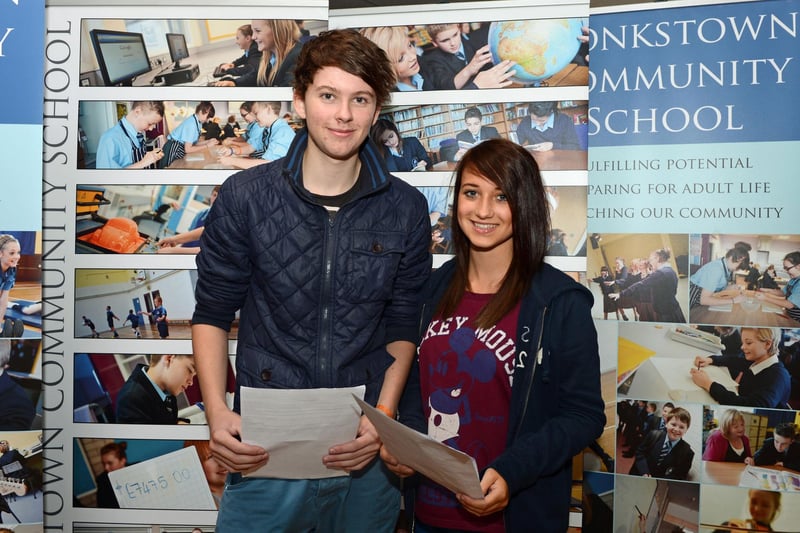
(299, 103)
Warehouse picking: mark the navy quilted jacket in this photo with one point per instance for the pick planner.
(320, 298)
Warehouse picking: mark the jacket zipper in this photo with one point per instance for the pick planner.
(323, 356)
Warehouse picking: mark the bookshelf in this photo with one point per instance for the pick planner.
(433, 123)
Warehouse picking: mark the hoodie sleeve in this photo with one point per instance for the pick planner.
(564, 412)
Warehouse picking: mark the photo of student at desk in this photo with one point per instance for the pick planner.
(162, 53)
(180, 134)
(723, 289)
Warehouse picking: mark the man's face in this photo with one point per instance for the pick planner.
(676, 429)
(782, 443)
(339, 109)
(3, 446)
(473, 125)
(449, 40)
(180, 375)
(145, 120)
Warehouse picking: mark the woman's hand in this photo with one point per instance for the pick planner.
(495, 490)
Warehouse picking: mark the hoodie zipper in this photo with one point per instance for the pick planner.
(536, 362)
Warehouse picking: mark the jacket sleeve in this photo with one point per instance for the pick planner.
(223, 265)
(401, 315)
(643, 451)
(683, 463)
(765, 454)
(578, 417)
(716, 445)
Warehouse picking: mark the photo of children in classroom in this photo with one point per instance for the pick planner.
(192, 52)
(187, 135)
(639, 277)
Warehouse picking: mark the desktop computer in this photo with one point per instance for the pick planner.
(185, 74)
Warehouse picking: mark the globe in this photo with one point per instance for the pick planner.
(540, 48)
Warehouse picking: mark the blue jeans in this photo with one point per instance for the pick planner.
(366, 501)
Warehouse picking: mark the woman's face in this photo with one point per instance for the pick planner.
(762, 506)
(111, 462)
(484, 214)
(792, 270)
(755, 350)
(9, 255)
(737, 429)
(262, 35)
(243, 41)
(407, 64)
(389, 138)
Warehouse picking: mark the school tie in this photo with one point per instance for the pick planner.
(140, 139)
(460, 55)
(664, 451)
(171, 404)
(477, 138)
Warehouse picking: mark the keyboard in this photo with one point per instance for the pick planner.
(218, 72)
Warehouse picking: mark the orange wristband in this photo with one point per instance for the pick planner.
(385, 410)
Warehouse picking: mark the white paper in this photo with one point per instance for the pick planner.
(298, 426)
(171, 481)
(444, 465)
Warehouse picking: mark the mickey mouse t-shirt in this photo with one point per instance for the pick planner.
(465, 378)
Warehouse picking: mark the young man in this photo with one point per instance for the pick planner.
(781, 449)
(456, 63)
(123, 145)
(545, 129)
(324, 252)
(148, 396)
(276, 137)
(110, 318)
(664, 453)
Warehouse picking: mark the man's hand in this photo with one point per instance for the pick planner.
(225, 426)
(357, 453)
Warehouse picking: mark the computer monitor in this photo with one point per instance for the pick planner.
(121, 56)
(178, 50)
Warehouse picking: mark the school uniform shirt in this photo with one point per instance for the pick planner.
(140, 401)
(247, 62)
(559, 130)
(277, 139)
(187, 131)
(8, 279)
(792, 293)
(713, 276)
(198, 222)
(118, 146)
(766, 384)
(255, 138)
(134, 319)
(161, 325)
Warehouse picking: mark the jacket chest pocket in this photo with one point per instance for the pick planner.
(372, 262)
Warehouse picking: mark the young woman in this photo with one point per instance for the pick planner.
(763, 505)
(9, 258)
(789, 296)
(729, 443)
(508, 367)
(251, 57)
(708, 285)
(400, 49)
(279, 43)
(113, 457)
(763, 380)
(654, 295)
(402, 154)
